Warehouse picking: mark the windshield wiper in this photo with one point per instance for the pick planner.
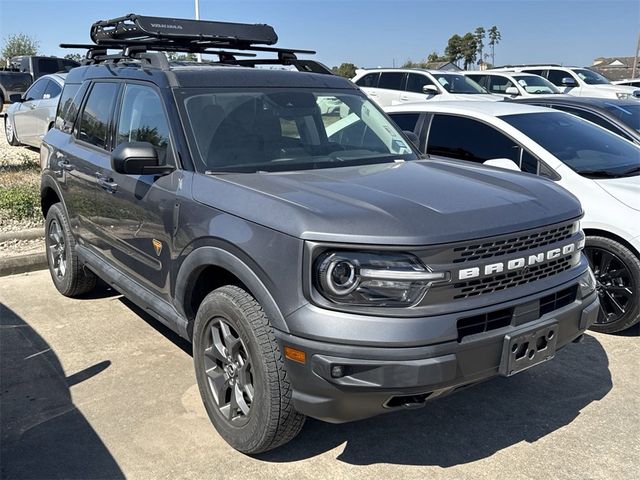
(598, 173)
(631, 171)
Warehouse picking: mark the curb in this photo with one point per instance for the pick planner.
(23, 264)
(30, 234)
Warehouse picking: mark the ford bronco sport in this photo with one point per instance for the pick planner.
(334, 276)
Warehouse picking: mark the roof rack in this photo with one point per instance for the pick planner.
(528, 65)
(136, 35)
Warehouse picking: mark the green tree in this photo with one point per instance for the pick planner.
(347, 70)
(76, 57)
(453, 51)
(181, 57)
(480, 35)
(494, 39)
(19, 44)
(469, 49)
(435, 57)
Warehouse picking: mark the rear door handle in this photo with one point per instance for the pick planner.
(106, 183)
(65, 165)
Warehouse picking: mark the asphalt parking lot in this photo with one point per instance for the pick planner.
(94, 388)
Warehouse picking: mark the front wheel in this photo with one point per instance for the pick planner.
(617, 272)
(240, 372)
(9, 131)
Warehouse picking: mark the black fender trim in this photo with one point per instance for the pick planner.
(213, 256)
(47, 181)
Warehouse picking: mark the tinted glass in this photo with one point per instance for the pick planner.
(627, 114)
(68, 107)
(590, 77)
(468, 139)
(48, 65)
(556, 76)
(287, 130)
(94, 120)
(584, 147)
(391, 80)
(143, 119)
(535, 85)
(528, 163)
(456, 83)
(592, 117)
(535, 72)
(499, 84)
(480, 79)
(369, 80)
(416, 82)
(52, 90)
(406, 121)
(36, 91)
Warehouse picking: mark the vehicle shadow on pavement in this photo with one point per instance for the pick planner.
(42, 433)
(472, 424)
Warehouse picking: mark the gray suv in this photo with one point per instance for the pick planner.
(318, 271)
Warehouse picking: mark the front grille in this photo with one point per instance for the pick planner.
(484, 322)
(499, 282)
(511, 245)
(558, 300)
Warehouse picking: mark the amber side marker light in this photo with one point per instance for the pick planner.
(295, 355)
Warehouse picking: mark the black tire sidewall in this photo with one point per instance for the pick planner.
(62, 284)
(633, 264)
(245, 437)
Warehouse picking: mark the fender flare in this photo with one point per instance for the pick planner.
(206, 256)
(48, 182)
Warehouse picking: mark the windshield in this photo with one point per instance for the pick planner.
(590, 77)
(627, 114)
(584, 147)
(287, 129)
(536, 85)
(456, 83)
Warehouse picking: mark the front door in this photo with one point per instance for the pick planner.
(25, 117)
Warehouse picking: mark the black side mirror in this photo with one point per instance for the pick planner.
(16, 98)
(138, 158)
(413, 138)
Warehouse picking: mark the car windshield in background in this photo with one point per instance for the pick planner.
(286, 130)
(590, 77)
(627, 114)
(456, 83)
(584, 147)
(535, 84)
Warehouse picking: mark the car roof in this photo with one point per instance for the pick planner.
(362, 71)
(489, 109)
(60, 77)
(497, 72)
(578, 101)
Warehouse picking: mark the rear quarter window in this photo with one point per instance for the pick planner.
(68, 106)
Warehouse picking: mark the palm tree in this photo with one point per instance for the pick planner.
(494, 39)
(479, 35)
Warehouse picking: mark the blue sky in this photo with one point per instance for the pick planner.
(368, 33)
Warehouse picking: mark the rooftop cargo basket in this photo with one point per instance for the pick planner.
(135, 35)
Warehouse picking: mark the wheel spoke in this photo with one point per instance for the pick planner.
(620, 290)
(605, 261)
(239, 399)
(218, 343)
(214, 354)
(219, 385)
(230, 342)
(615, 303)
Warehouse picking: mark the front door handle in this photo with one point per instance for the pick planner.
(65, 165)
(106, 183)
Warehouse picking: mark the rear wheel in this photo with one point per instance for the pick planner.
(617, 272)
(9, 131)
(240, 372)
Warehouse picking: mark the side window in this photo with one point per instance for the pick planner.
(48, 65)
(36, 91)
(93, 126)
(529, 163)
(556, 76)
(499, 84)
(52, 90)
(468, 139)
(143, 119)
(391, 80)
(369, 80)
(591, 117)
(415, 82)
(68, 106)
(406, 121)
(480, 80)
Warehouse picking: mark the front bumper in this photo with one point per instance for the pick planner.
(382, 379)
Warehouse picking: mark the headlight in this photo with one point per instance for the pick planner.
(373, 279)
(587, 283)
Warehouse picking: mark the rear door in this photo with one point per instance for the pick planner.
(136, 212)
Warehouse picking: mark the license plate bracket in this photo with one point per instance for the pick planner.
(524, 349)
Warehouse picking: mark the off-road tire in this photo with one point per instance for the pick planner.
(76, 279)
(271, 420)
(632, 263)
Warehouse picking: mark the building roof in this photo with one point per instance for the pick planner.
(614, 68)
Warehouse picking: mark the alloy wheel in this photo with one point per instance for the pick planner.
(57, 249)
(229, 372)
(614, 284)
(8, 128)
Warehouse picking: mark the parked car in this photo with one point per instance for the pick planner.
(392, 86)
(338, 276)
(510, 85)
(33, 113)
(633, 82)
(621, 117)
(581, 82)
(22, 71)
(598, 167)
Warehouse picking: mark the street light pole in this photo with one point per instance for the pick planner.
(197, 6)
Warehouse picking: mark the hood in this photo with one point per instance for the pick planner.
(471, 97)
(412, 203)
(613, 89)
(625, 190)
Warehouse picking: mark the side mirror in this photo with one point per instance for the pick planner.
(16, 98)
(512, 91)
(568, 82)
(412, 137)
(138, 158)
(430, 90)
(505, 163)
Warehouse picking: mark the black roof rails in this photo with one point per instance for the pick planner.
(135, 35)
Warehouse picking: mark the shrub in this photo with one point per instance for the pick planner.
(20, 202)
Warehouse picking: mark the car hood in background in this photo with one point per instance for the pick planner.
(470, 97)
(411, 203)
(626, 190)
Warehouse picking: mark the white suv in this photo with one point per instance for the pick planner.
(513, 84)
(577, 81)
(395, 86)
